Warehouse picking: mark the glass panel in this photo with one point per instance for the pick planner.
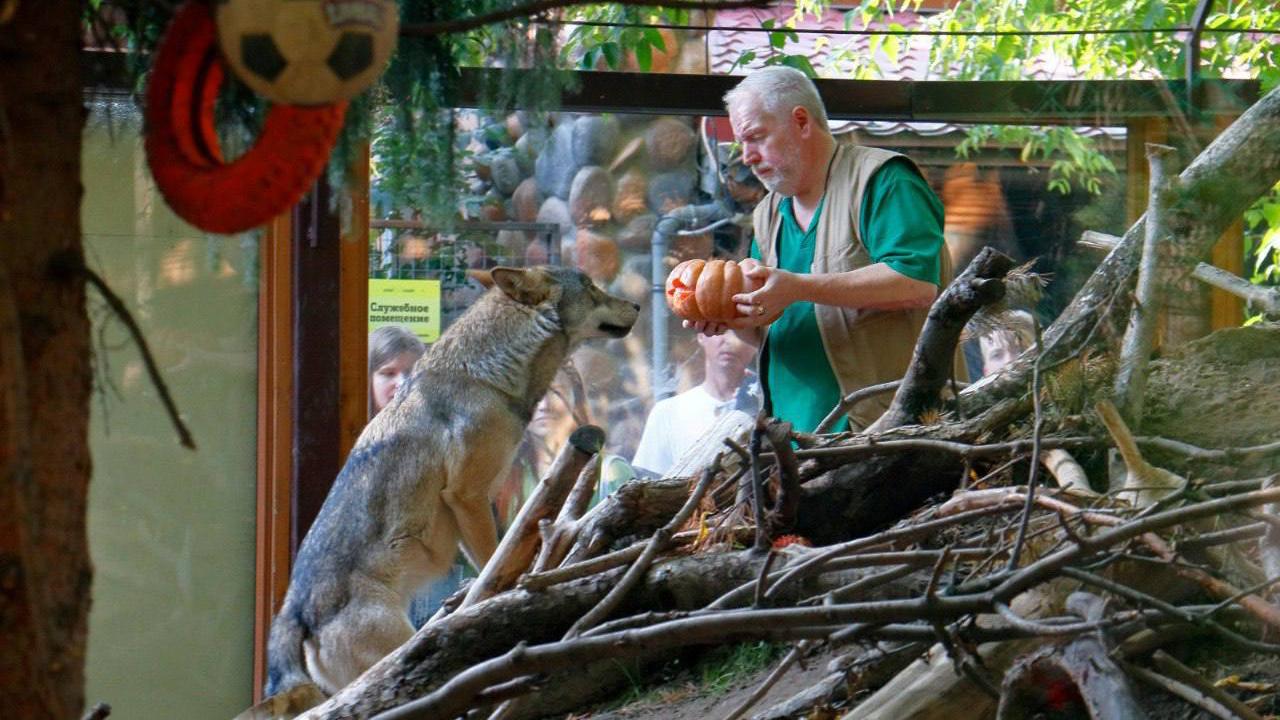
(171, 531)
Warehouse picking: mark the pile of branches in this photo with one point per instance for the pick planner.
(1013, 588)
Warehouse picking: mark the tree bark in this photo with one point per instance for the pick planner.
(45, 375)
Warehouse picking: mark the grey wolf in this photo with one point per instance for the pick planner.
(417, 484)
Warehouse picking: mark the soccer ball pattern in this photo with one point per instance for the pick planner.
(307, 52)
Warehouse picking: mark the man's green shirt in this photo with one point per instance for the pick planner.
(901, 226)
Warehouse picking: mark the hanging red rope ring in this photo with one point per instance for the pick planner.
(182, 145)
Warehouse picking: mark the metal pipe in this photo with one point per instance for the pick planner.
(1191, 50)
(702, 217)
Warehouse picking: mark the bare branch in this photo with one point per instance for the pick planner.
(1264, 299)
(148, 360)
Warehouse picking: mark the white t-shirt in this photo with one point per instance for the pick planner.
(674, 425)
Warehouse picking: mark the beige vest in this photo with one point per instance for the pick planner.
(864, 347)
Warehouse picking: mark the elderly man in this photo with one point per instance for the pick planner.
(848, 252)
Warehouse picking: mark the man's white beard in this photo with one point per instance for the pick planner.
(775, 183)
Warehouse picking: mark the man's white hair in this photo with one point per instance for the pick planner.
(778, 89)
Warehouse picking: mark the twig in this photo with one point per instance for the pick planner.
(762, 581)
(1263, 298)
(660, 541)
(1176, 670)
(148, 360)
(964, 450)
(757, 487)
(783, 516)
(869, 582)
(537, 7)
(1180, 690)
(99, 712)
(1172, 611)
(763, 688)
(1191, 452)
(542, 580)
(1135, 351)
(848, 402)
(1034, 476)
(911, 532)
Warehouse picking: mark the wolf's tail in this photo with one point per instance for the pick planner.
(290, 690)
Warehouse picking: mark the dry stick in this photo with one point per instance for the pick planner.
(660, 541)
(1265, 299)
(1183, 674)
(848, 402)
(99, 712)
(757, 487)
(148, 360)
(1177, 613)
(558, 535)
(1034, 475)
(1258, 607)
(1180, 690)
(1131, 375)
(808, 565)
(518, 547)
(763, 688)
(784, 511)
(542, 580)
(458, 693)
(1191, 452)
(762, 581)
(874, 446)
(870, 582)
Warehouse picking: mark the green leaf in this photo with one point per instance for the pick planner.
(644, 57)
(612, 54)
(799, 62)
(655, 39)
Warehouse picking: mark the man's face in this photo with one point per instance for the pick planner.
(770, 145)
(726, 353)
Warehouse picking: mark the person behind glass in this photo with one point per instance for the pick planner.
(848, 254)
(676, 423)
(393, 350)
(1003, 344)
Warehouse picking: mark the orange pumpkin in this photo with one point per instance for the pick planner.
(700, 290)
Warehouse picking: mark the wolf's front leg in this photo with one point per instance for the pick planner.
(477, 532)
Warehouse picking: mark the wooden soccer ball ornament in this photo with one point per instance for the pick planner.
(307, 52)
(701, 290)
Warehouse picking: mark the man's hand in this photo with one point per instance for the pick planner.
(775, 290)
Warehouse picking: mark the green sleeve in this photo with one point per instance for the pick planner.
(755, 250)
(901, 221)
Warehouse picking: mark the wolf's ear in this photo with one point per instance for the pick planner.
(530, 287)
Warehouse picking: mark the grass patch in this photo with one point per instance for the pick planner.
(723, 666)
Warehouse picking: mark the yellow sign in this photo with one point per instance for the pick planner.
(415, 304)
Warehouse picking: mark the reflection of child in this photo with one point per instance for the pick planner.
(1002, 346)
(393, 350)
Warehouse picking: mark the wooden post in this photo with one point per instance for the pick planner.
(275, 436)
(1227, 310)
(353, 304)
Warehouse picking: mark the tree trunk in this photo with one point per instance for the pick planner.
(45, 375)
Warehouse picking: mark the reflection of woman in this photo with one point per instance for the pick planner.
(393, 350)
